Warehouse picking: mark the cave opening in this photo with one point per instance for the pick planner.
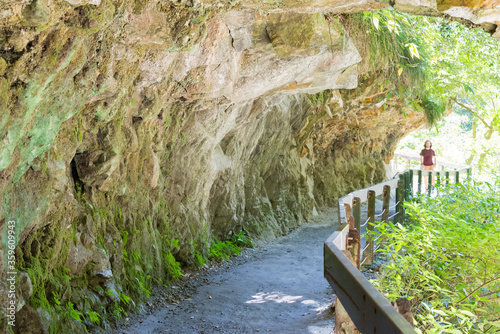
(77, 182)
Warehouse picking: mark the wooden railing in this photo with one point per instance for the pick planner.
(368, 309)
(409, 158)
(445, 172)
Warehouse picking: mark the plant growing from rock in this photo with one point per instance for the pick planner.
(222, 250)
(391, 48)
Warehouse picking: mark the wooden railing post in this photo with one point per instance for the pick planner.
(419, 182)
(410, 188)
(405, 176)
(457, 177)
(400, 199)
(370, 228)
(408, 185)
(387, 201)
(385, 209)
(447, 176)
(438, 179)
(429, 183)
(356, 208)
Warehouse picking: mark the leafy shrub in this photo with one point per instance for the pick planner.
(446, 260)
(94, 317)
(222, 250)
(173, 267)
(241, 239)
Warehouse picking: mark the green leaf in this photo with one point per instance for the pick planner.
(467, 313)
(439, 312)
(375, 19)
(468, 88)
(413, 50)
(391, 26)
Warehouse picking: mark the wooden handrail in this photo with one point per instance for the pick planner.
(369, 310)
(362, 194)
(438, 161)
(378, 188)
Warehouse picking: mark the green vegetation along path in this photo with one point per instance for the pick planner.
(275, 287)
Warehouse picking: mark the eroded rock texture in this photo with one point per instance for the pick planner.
(134, 132)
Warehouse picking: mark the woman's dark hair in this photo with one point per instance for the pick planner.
(425, 142)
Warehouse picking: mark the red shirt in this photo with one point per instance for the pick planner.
(428, 154)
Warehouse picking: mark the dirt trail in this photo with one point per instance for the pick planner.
(276, 287)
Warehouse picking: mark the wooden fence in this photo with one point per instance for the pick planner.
(368, 309)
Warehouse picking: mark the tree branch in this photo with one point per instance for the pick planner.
(369, 98)
(472, 111)
(479, 287)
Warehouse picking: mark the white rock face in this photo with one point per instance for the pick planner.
(497, 32)
(483, 13)
(83, 2)
(238, 61)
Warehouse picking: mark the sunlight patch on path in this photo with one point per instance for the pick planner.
(277, 297)
(318, 330)
(309, 302)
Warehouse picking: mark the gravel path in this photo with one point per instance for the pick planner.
(275, 287)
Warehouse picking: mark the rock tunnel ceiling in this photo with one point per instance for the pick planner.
(185, 121)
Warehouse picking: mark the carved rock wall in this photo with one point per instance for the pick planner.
(132, 133)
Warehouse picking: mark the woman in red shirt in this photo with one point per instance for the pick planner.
(428, 161)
